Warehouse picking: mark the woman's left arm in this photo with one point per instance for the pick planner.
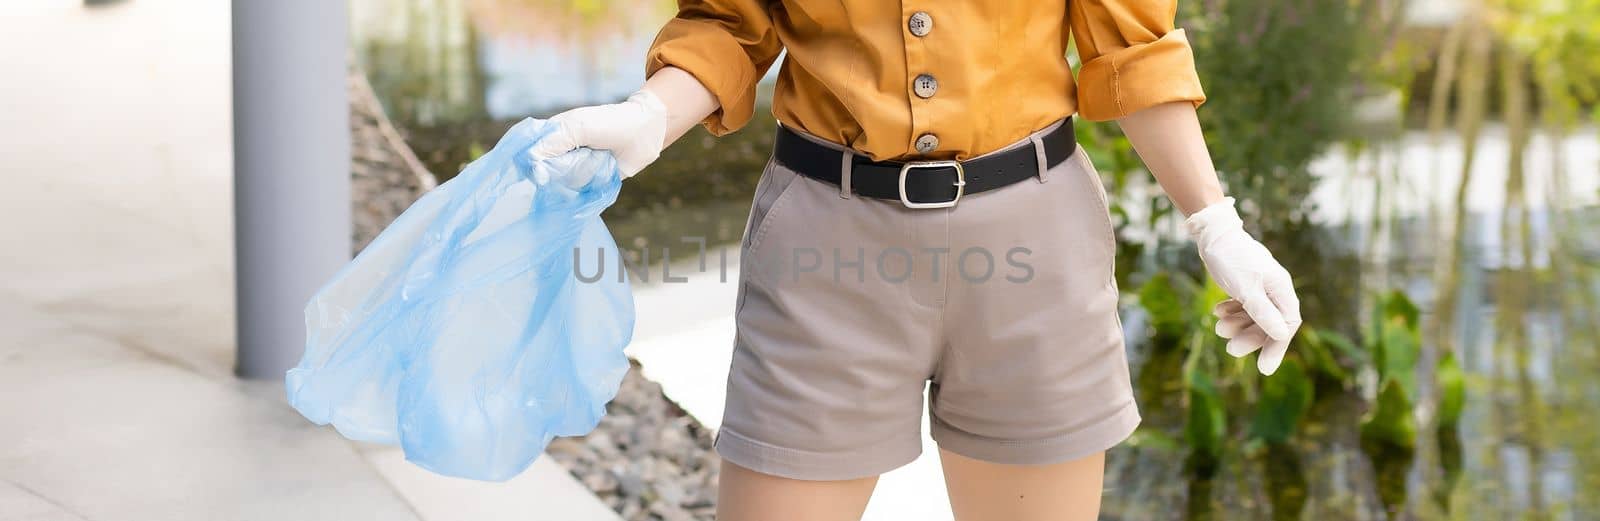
(1264, 312)
(1168, 139)
(1138, 69)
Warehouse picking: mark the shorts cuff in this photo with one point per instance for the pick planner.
(861, 462)
(1096, 437)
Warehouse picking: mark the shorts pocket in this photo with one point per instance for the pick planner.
(1096, 188)
(771, 195)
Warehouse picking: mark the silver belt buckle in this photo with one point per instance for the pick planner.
(961, 183)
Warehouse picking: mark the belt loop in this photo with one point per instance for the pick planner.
(1039, 157)
(846, 160)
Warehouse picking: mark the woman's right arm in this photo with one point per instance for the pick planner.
(690, 102)
(702, 68)
(637, 129)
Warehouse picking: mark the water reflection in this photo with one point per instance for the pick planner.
(1525, 445)
(438, 61)
(1511, 286)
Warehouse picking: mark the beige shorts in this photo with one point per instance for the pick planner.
(849, 307)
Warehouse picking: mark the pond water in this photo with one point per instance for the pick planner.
(1522, 285)
(1509, 281)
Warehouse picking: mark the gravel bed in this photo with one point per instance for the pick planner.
(385, 177)
(648, 459)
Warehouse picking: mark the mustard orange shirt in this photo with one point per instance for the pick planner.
(929, 79)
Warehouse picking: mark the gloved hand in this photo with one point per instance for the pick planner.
(1264, 312)
(634, 131)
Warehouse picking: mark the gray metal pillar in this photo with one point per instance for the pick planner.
(291, 157)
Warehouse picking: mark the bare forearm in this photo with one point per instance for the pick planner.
(687, 101)
(1168, 139)
(1263, 312)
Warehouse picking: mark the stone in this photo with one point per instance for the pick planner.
(600, 482)
(631, 484)
(669, 511)
(670, 491)
(632, 511)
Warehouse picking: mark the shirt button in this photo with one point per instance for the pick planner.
(925, 85)
(920, 23)
(927, 143)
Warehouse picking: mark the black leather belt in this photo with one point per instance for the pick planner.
(923, 184)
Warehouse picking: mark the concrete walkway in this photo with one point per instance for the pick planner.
(117, 400)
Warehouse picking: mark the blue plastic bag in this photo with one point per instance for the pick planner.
(463, 332)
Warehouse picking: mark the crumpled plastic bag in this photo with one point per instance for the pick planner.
(463, 332)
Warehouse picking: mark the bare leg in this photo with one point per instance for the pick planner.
(1060, 492)
(747, 495)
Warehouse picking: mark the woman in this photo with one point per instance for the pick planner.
(921, 147)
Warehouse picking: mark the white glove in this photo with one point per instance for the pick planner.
(634, 131)
(1264, 312)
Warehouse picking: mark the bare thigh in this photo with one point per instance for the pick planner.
(747, 495)
(981, 490)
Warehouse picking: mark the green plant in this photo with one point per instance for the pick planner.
(1146, 437)
(1328, 355)
(1278, 109)
(1452, 390)
(1170, 319)
(1284, 400)
(1394, 342)
(1206, 426)
(1180, 317)
(1390, 422)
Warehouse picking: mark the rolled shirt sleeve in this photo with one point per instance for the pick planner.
(1132, 57)
(727, 45)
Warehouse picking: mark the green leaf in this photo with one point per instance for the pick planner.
(1285, 398)
(1390, 423)
(1311, 346)
(1210, 295)
(1400, 353)
(1452, 390)
(1396, 306)
(1397, 341)
(1341, 345)
(1146, 437)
